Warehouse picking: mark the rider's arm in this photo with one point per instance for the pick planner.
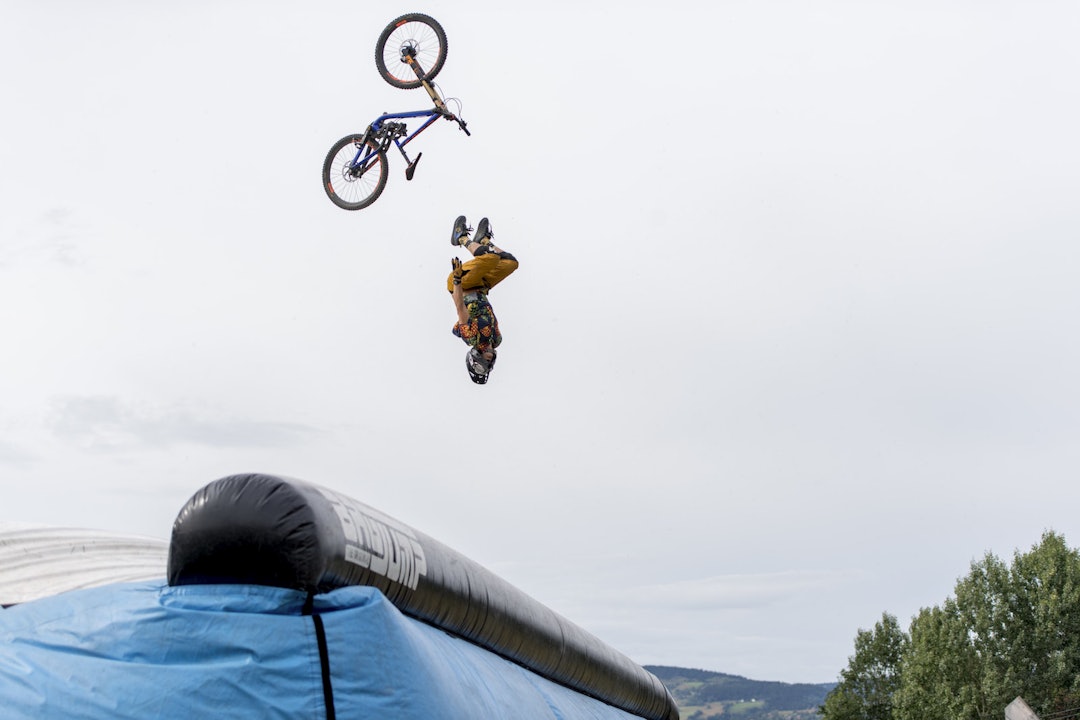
(459, 303)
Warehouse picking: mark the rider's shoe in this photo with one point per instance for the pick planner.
(484, 232)
(460, 233)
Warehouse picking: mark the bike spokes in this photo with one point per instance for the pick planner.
(410, 50)
(409, 53)
(354, 172)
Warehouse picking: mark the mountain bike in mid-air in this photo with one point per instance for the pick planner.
(409, 53)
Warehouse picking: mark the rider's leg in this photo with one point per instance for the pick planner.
(485, 234)
(460, 234)
(506, 265)
(477, 244)
(478, 249)
(473, 271)
(490, 265)
(476, 272)
(507, 262)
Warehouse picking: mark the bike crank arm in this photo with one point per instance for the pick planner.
(409, 171)
(410, 168)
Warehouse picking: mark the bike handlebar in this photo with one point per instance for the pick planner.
(461, 123)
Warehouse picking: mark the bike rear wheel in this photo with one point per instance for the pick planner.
(413, 34)
(349, 186)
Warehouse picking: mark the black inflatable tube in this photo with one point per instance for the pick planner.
(269, 530)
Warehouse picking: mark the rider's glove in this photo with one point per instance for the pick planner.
(456, 264)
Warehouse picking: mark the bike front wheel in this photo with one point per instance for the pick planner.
(413, 35)
(354, 173)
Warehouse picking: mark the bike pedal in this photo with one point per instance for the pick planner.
(411, 170)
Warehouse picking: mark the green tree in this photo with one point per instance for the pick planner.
(1050, 577)
(1024, 621)
(867, 685)
(1009, 630)
(939, 672)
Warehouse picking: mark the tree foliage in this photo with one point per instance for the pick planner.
(869, 682)
(1008, 630)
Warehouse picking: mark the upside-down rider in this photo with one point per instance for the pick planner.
(469, 283)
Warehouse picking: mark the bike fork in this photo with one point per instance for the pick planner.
(362, 153)
(410, 60)
(434, 95)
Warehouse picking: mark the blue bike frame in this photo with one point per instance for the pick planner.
(340, 172)
(432, 115)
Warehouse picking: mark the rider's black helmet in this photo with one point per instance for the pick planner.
(478, 367)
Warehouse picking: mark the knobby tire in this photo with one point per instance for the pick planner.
(346, 189)
(416, 30)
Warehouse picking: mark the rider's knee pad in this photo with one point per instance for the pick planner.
(507, 256)
(482, 250)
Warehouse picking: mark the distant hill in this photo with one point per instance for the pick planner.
(704, 695)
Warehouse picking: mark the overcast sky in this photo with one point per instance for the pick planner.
(793, 339)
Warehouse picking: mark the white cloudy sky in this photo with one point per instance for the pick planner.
(793, 341)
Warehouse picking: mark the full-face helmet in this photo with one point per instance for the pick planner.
(478, 366)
